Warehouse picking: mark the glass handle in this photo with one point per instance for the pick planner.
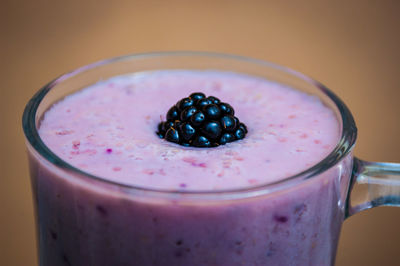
(373, 184)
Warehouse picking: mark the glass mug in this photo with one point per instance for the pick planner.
(86, 220)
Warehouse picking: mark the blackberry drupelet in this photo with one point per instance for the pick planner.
(201, 121)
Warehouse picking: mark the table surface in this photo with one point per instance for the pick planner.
(350, 46)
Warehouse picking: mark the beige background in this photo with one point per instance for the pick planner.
(350, 46)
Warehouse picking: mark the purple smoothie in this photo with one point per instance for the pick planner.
(108, 130)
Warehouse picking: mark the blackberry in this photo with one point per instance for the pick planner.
(212, 111)
(203, 102)
(239, 133)
(160, 130)
(187, 113)
(186, 131)
(201, 121)
(243, 127)
(173, 113)
(228, 123)
(197, 119)
(197, 96)
(201, 141)
(166, 125)
(214, 100)
(211, 130)
(184, 103)
(172, 135)
(226, 137)
(226, 109)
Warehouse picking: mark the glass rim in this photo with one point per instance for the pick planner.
(341, 150)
